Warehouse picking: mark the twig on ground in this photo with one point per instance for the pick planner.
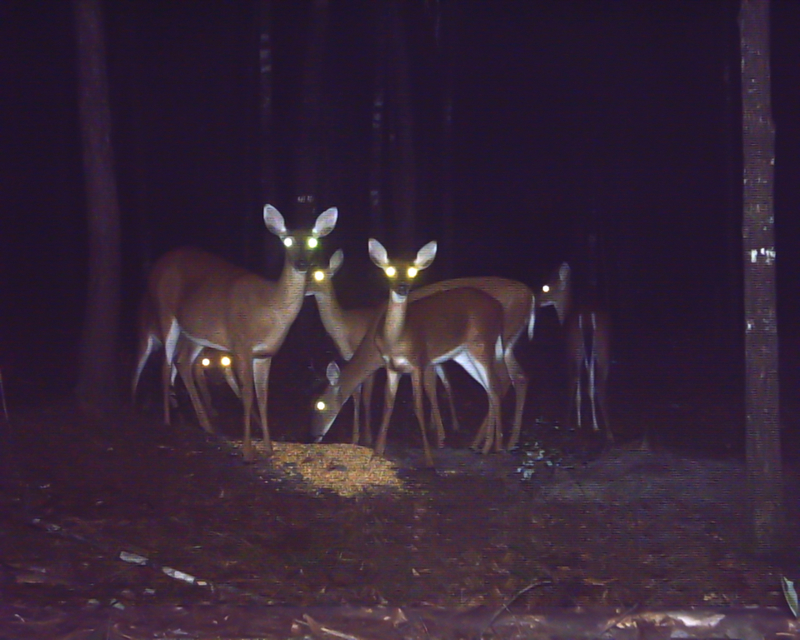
(318, 630)
(506, 605)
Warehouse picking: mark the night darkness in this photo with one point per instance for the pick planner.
(618, 118)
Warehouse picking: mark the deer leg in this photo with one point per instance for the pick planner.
(199, 377)
(593, 391)
(520, 382)
(145, 351)
(366, 400)
(261, 368)
(185, 363)
(245, 373)
(429, 382)
(166, 386)
(494, 429)
(416, 384)
(481, 367)
(443, 377)
(392, 379)
(356, 411)
(230, 377)
(602, 382)
(483, 431)
(167, 371)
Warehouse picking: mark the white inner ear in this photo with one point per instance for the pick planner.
(378, 253)
(333, 372)
(274, 221)
(426, 255)
(326, 221)
(336, 261)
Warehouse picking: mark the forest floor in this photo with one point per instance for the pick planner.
(549, 525)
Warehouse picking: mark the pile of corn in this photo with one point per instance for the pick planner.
(345, 469)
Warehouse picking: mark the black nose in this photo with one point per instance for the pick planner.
(402, 289)
(301, 265)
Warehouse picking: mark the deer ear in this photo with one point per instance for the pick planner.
(274, 221)
(378, 253)
(426, 255)
(336, 261)
(325, 223)
(333, 372)
(563, 274)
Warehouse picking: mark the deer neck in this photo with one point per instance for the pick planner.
(333, 319)
(292, 287)
(395, 319)
(566, 304)
(366, 361)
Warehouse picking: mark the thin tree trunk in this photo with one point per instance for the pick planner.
(765, 480)
(97, 389)
(266, 176)
(403, 165)
(310, 148)
(445, 36)
(377, 222)
(141, 173)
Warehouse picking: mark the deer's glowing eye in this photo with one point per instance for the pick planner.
(319, 276)
(546, 288)
(206, 362)
(225, 361)
(320, 405)
(312, 243)
(390, 271)
(412, 272)
(288, 241)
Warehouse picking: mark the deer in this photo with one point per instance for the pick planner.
(212, 303)
(519, 311)
(199, 364)
(347, 328)
(588, 343)
(461, 324)
(186, 360)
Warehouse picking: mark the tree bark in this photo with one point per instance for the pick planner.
(97, 389)
(377, 222)
(445, 38)
(310, 146)
(764, 472)
(266, 148)
(403, 166)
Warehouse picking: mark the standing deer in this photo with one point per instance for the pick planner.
(186, 360)
(347, 328)
(215, 304)
(519, 309)
(461, 324)
(588, 341)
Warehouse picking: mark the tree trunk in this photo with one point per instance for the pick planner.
(376, 212)
(402, 163)
(765, 481)
(97, 389)
(266, 178)
(309, 149)
(445, 39)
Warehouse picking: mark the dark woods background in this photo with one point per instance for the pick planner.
(618, 121)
